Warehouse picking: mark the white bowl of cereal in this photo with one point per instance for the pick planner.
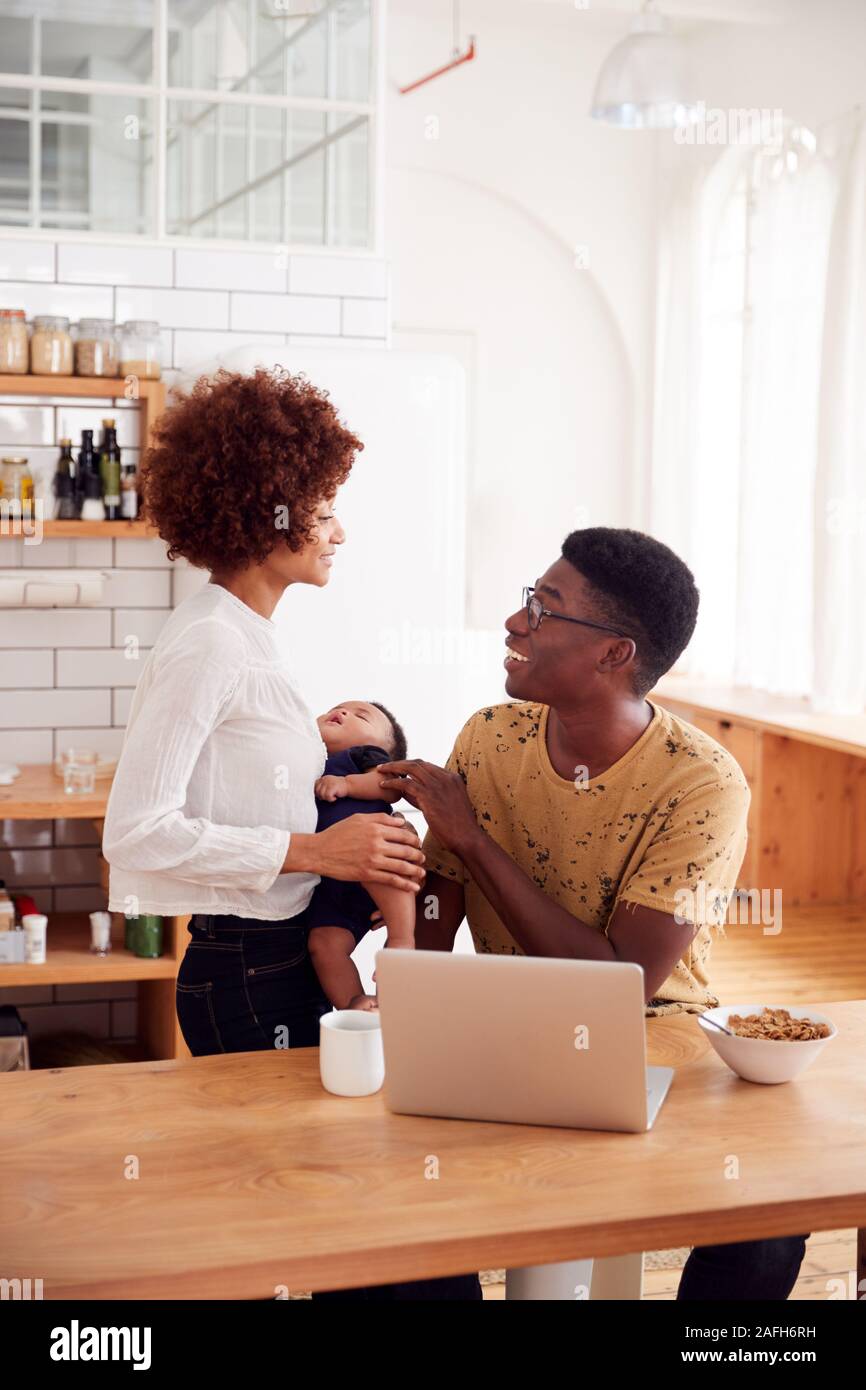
(770, 1042)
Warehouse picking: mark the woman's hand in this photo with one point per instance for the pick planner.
(375, 848)
(440, 795)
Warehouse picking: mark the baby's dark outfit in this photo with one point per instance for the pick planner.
(335, 903)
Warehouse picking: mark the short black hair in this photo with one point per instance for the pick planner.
(642, 589)
(400, 744)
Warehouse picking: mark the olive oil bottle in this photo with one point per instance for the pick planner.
(109, 470)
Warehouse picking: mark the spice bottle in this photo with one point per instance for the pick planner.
(129, 492)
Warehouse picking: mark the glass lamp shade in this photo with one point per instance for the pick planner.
(643, 81)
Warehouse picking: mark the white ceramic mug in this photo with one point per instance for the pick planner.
(351, 1060)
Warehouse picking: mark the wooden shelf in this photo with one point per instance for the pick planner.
(76, 530)
(38, 795)
(150, 400)
(113, 386)
(69, 960)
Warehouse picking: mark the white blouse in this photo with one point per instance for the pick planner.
(216, 770)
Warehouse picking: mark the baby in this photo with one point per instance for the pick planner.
(358, 736)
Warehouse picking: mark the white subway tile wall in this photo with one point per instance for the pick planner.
(67, 675)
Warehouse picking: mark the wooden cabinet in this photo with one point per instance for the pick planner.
(807, 845)
(38, 795)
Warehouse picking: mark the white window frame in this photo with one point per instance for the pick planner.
(159, 94)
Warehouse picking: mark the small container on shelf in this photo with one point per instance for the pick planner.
(16, 486)
(140, 349)
(96, 348)
(35, 926)
(100, 933)
(13, 947)
(14, 342)
(51, 346)
(129, 491)
(144, 935)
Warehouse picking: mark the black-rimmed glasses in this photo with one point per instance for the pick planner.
(536, 612)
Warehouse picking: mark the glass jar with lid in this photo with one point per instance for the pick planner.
(17, 486)
(96, 348)
(140, 348)
(51, 346)
(14, 343)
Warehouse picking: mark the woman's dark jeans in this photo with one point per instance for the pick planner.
(246, 986)
(747, 1270)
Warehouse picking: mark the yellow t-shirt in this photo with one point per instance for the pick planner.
(664, 827)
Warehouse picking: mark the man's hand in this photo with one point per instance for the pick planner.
(441, 796)
(331, 788)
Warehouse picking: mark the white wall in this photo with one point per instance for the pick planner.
(495, 176)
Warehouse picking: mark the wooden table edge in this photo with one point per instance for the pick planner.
(432, 1259)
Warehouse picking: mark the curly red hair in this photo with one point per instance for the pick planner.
(238, 465)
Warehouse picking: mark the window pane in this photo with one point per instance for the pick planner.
(14, 157)
(11, 98)
(15, 44)
(349, 185)
(102, 40)
(301, 48)
(97, 163)
(257, 173)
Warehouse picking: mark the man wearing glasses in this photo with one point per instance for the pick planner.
(583, 821)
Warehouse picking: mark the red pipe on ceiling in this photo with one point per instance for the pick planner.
(455, 63)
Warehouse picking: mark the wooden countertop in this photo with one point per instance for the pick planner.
(845, 733)
(38, 795)
(251, 1176)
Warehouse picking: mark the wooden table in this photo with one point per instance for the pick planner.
(252, 1177)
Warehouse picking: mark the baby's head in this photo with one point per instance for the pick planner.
(355, 722)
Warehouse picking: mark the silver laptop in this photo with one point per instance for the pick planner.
(524, 1039)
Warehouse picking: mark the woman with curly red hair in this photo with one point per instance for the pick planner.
(212, 809)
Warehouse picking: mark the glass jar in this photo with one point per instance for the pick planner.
(17, 486)
(140, 349)
(79, 771)
(96, 348)
(14, 343)
(51, 346)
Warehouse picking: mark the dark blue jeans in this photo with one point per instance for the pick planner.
(751, 1270)
(246, 986)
